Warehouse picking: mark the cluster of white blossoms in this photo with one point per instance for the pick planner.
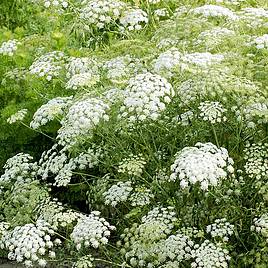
(121, 68)
(54, 213)
(141, 242)
(154, 1)
(145, 97)
(51, 110)
(113, 95)
(221, 228)
(205, 164)
(99, 13)
(254, 113)
(261, 226)
(8, 48)
(18, 116)
(81, 65)
(212, 112)
(19, 168)
(4, 226)
(123, 191)
(91, 230)
(168, 62)
(133, 165)
(166, 215)
(48, 65)
(256, 156)
(260, 42)
(133, 19)
(177, 247)
(117, 193)
(167, 43)
(82, 117)
(213, 37)
(84, 262)
(62, 167)
(209, 255)
(55, 3)
(215, 11)
(217, 84)
(30, 244)
(161, 13)
(83, 80)
(254, 17)
(15, 74)
(141, 196)
(203, 59)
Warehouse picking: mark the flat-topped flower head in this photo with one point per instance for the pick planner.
(81, 119)
(204, 164)
(8, 48)
(53, 109)
(145, 97)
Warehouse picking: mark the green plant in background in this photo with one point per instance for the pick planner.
(134, 133)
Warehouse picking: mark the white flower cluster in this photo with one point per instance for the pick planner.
(215, 11)
(145, 97)
(83, 116)
(168, 62)
(8, 48)
(213, 37)
(18, 116)
(221, 228)
(165, 215)
(209, 255)
(81, 65)
(53, 212)
(256, 156)
(141, 197)
(254, 17)
(205, 164)
(261, 226)
(176, 248)
(117, 193)
(215, 83)
(113, 95)
(253, 113)
(212, 112)
(30, 243)
(91, 230)
(15, 74)
(203, 59)
(4, 226)
(154, 1)
(48, 65)
(133, 19)
(84, 262)
(141, 242)
(161, 175)
(19, 169)
(55, 3)
(133, 165)
(167, 43)
(121, 68)
(100, 13)
(260, 42)
(49, 111)
(82, 80)
(62, 167)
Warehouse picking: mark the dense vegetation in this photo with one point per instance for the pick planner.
(134, 133)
